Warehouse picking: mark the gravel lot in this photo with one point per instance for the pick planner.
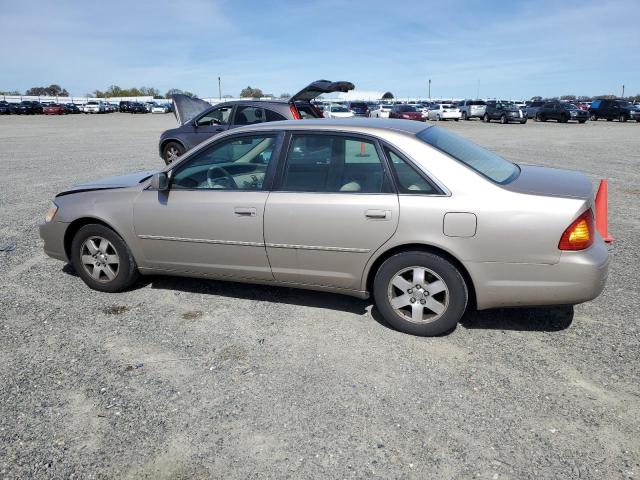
(187, 378)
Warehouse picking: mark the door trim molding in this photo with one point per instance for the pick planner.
(255, 244)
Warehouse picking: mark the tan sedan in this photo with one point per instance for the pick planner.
(424, 220)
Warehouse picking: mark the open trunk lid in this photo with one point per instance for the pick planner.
(186, 108)
(554, 182)
(319, 87)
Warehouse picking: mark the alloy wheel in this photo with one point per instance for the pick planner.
(100, 259)
(418, 295)
(172, 154)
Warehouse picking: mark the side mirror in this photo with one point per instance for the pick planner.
(160, 181)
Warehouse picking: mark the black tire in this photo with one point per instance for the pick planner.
(448, 273)
(563, 119)
(622, 118)
(126, 272)
(172, 151)
(581, 121)
(456, 119)
(593, 117)
(609, 119)
(486, 118)
(503, 119)
(523, 121)
(464, 116)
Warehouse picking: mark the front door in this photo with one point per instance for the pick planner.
(333, 208)
(211, 219)
(212, 123)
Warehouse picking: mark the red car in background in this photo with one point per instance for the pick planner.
(406, 112)
(54, 109)
(583, 106)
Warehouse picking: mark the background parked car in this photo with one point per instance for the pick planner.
(26, 107)
(94, 106)
(444, 111)
(160, 108)
(505, 112)
(620, 110)
(382, 111)
(336, 110)
(407, 112)
(54, 109)
(472, 109)
(359, 109)
(5, 108)
(137, 107)
(199, 120)
(124, 106)
(72, 108)
(532, 108)
(562, 112)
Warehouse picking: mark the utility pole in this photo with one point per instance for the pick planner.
(622, 91)
(478, 91)
(429, 89)
(219, 89)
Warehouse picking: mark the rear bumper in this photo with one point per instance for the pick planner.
(578, 277)
(53, 235)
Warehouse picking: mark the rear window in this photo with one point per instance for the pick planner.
(358, 105)
(476, 102)
(487, 163)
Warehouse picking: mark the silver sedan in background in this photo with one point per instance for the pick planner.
(427, 222)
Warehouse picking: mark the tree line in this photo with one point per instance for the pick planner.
(582, 98)
(112, 91)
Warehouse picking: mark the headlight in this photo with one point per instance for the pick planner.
(53, 209)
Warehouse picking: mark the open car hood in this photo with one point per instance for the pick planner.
(186, 108)
(319, 87)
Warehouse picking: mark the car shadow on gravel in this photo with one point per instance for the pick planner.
(262, 293)
(538, 319)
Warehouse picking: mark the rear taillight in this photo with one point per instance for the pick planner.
(294, 112)
(580, 234)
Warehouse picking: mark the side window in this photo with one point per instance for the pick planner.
(219, 116)
(274, 116)
(239, 163)
(332, 163)
(408, 179)
(249, 115)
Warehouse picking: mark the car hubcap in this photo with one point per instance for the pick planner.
(418, 295)
(172, 154)
(100, 259)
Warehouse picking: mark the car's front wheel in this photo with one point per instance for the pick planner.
(171, 152)
(464, 116)
(486, 118)
(102, 259)
(622, 118)
(503, 119)
(420, 293)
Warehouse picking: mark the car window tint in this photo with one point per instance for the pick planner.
(219, 116)
(235, 164)
(274, 116)
(474, 156)
(249, 115)
(409, 180)
(332, 163)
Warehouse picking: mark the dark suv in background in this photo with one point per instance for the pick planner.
(26, 107)
(532, 107)
(359, 109)
(199, 120)
(562, 112)
(505, 112)
(620, 110)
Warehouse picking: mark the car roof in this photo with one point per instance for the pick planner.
(356, 125)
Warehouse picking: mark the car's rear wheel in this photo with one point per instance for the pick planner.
(564, 119)
(581, 121)
(622, 118)
(503, 119)
(420, 293)
(171, 152)
(464, 116)
(102, 259)
(593, 117)
(486, 118)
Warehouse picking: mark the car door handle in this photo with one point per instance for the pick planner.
(244, 211)
(378, 214)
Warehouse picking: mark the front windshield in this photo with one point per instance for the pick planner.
(407, 108)
(626, 104)
(482, 161)
(569, 106)
(339, 108)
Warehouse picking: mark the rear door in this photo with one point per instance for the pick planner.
(332, 208)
